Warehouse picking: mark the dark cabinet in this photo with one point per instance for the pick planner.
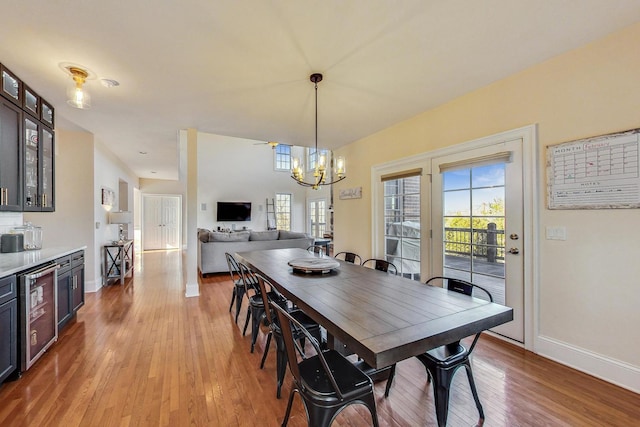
(70, 287)
(38, 167)
(10, 157)
(8, 327)
(26, 148)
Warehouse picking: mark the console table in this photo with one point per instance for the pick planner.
(118, 260)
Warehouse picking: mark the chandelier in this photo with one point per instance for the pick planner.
(320, 169)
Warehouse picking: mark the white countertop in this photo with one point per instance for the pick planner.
(11, 263)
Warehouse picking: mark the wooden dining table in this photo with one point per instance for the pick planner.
(383, 318)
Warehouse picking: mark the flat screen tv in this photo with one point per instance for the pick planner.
(233, 211)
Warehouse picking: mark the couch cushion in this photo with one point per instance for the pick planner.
(287, 235)
(240, 236)
(264, 235)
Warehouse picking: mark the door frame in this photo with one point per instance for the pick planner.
(530, 245)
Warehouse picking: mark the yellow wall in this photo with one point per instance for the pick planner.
(589, 285)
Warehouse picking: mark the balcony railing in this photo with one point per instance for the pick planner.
(486, 243)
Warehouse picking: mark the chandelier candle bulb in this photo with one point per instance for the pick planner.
(340, 168)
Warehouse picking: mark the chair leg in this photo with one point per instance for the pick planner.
(392, 374)
(266, 349)
(233, 298)
(441, 386)
(239, 296)
(255, 325)
(288, 412)
(370, 402)
(281, 364)
(475, 393)
(246, 322)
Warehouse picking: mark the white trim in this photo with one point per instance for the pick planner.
(611, 370)
(192, 290)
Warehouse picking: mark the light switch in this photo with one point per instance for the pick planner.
(97, 225)
(203, 206)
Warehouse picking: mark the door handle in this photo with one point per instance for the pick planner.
(514, 251)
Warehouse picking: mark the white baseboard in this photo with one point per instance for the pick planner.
(192, 290)
(611, 370)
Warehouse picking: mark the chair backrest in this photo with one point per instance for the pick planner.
(249, 279)
(381, 265)
(316, 249)
(269, 298)
(459, 285)
(351, 257)
(288, 324)
(234, 269)
(462, 287)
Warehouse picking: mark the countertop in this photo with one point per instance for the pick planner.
(11, 263)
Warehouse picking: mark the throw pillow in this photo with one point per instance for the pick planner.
(264, 235)
(240, 236)
(286, 235)
(203, 235)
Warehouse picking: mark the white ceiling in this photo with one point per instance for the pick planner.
(241, 68)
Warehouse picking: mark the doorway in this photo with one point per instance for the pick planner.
(478, 223)
(161, 221)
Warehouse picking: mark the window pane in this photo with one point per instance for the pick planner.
(457, 202)
(456, 179)
(490, 175)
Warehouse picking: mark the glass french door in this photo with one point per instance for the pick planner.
(478, 224)
(318, 217)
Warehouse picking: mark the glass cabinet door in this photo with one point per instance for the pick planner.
(47, 112)
(11, 86)
(31, 102)
(47, 185)
(31, 164)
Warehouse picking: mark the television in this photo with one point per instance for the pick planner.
(233, 211)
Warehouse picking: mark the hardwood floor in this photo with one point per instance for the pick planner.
(143, 355)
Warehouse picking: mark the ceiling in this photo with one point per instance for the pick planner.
(241, 68)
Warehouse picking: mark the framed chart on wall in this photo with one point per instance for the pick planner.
(601, 172)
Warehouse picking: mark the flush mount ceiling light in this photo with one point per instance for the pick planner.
(77, 96)
(320, 169)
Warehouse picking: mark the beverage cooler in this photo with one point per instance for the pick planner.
(38, 313)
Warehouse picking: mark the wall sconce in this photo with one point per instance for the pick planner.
(121, 218)
(77, 96)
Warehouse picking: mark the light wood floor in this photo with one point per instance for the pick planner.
(143, 355)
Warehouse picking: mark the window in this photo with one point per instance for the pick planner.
(311, 159)
(402, 224)
(318, 217)
(283, 211)
(282, 157)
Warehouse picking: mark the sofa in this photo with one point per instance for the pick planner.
(212, 245)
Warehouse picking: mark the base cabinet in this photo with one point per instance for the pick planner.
(8, 327)
(70, 287)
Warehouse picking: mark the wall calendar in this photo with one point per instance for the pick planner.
(601, 172)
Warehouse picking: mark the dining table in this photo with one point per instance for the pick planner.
(383, 318)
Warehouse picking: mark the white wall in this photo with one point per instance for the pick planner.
(108, 172)
(237, 170)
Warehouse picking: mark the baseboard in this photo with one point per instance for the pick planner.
(611, 370)
(192, 290)
(91, 286)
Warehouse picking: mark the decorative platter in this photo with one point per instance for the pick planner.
(313, 265)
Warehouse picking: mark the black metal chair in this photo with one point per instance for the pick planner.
(326, 381)
(382, 265)
(442, 363)
(238, 284)
(319, 250)
(270, 298)
(255, 310)
(351, 257)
